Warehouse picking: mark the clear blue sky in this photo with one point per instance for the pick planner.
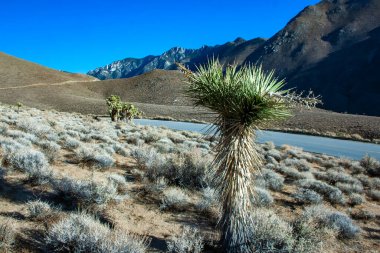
(80, 35)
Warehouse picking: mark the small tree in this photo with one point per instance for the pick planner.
(19, 105)
(121, 110)
(114, 107)
(129, 111)
(244, 100)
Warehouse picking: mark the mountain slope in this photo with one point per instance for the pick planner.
(230, 52)
(16, 72)
(332, 48)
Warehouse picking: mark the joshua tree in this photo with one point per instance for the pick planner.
(121, 110)
(129, 111)
(244, 100)
(114, 107)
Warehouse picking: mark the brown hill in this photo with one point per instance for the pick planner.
(16, 72)
(332, 48)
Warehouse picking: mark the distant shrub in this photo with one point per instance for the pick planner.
(275, 154)
(38, 209)
(189, 241)
(7, 237)
(29, 161)
(375, 183)
(338, 175)
(35, 126)
(83, 233)
(301, 165)
(85, 192)
(307, 196)
(174, 199)
(262, 197)
(363, 215)
(293, 173)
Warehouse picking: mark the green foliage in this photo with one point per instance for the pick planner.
(121, 110)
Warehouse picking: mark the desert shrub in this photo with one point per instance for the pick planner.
(38, 209)
(119, 149)
(262, 197)
(119, 182)
(186, 170)
(350, 188)
(151, 136)
(307, 196)
(371, 165)
(189, 241)
(335, 220)
(338, 175)
(272, 179)
(85, 192)
(174, 198)
(333, 194)
(7, 237)
(293, 173)
(374, 194)
(364, 179)
(356, 199)
(375, 183)
(157, 185)
(70, 143)
(301, 165)
(209, 202)
(275, 154)
(356, 168)
(270, 233)
(35, 126)
(94, 157)
(50, 149)
(83, 233)
(363, 215)
(31, 162)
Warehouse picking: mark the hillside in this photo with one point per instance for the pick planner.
(228, 53)
(16, 72)
(332, 48)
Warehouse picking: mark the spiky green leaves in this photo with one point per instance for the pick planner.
(247, 96)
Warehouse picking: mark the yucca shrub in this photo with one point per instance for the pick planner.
(244, 99)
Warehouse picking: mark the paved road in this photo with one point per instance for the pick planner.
(344, 148)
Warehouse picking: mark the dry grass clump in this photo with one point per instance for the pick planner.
(83, 233)
(189, 241)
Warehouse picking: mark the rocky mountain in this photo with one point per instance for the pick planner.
(230, 52)
(332, 48)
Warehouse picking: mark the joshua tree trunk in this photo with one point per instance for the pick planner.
(236, 160)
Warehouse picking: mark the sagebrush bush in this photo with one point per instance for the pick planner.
(85, 192)
(189, 241)
(71, 143)
(209, 202)
(262, 197)
(371, 165)
(356, 199)
(94, 156)
(374, 194)
(119, 181)
(270, 233)
(333, 194)
(29, 161)
(7, 237)
(307, 196)
(350, 188)
(335, 220)
(38, 209)
(50, 149)
(273, 180)
(174, 198)
(293, 173)
(83, 233)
